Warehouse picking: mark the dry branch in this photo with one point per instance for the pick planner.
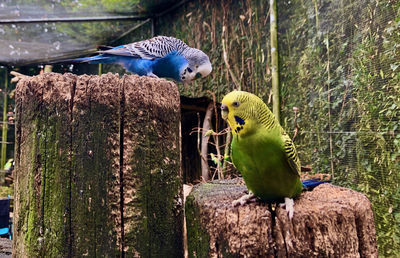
(204, 142)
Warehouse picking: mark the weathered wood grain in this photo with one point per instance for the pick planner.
(97, 167)
(329, 221)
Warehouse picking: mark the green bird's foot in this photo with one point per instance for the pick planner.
(289, 206)
(244, 199)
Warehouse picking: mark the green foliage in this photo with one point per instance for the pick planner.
(377, 93)
(6, 191)
(339, 65)
(97, 32)
(245, 43)
(120, 6)
(340, 68)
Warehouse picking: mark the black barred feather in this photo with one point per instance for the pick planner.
(156, 47)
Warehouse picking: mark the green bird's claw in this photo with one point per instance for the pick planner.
(289, 206)
(244, 199)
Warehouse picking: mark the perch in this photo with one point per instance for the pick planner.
(329, 221)
(97, 167)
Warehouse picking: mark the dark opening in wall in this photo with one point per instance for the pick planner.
(193, 111)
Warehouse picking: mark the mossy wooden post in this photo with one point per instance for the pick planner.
(151, 169)
(95, 182)
(97, 172)
(42, 175)
(329, 221)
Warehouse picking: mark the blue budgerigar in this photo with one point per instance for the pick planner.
(160, 56)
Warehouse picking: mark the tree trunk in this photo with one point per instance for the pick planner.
(97, 168)
(329, 221)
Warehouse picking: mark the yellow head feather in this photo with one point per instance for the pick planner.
(245, 113)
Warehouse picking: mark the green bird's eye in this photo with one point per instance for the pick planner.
(236, 103)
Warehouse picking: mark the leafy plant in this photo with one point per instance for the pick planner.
(339, 66)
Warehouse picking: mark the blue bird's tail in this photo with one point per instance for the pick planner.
(104, 59)
(309, 184)
(92, 59)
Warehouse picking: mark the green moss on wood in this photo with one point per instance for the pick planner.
(154, 214)
(199, 201)
(198, 238)
(32, 228)
(69, 204)
(43, 208)
(93, 179)
(55, 186)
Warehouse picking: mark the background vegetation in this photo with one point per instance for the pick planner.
(339, 67)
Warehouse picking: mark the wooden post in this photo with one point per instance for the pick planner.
(274, 60)
(153, 198)
(329, 221)
(97, 168)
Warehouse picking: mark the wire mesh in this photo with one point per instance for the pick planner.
(47, 30)
(341, 68)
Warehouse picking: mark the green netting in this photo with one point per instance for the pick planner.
(339, 65)
(43, 31)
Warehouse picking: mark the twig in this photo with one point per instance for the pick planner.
(199, 129)
(204, 142)
(203, 159)
(343, 103)
(18, 76)
(226, 150)
(215, 137)
(225, 55)
(274, 60)
(329, 107)
(296, 130)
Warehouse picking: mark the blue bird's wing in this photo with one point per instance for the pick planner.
(171, 66)
(153, 48)
(120, 51)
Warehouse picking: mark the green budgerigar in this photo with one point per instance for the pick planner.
(261, 150)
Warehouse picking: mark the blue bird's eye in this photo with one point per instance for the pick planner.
(189, 70)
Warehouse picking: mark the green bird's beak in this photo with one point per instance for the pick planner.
(224, 111)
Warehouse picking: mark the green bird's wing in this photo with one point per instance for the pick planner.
(291, 154)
